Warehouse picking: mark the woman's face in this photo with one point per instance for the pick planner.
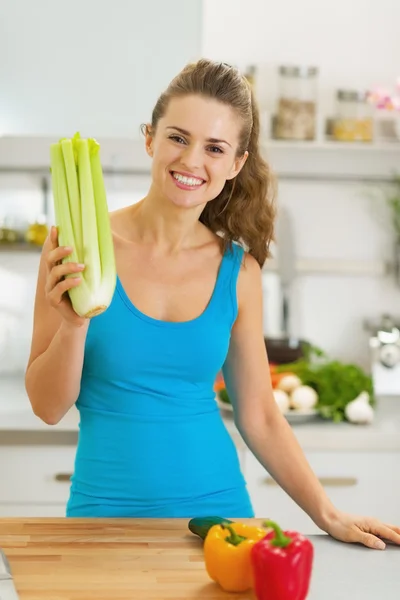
(194, 150)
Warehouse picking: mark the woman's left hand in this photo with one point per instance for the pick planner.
(364, 530)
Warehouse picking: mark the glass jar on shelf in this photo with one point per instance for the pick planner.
(296, 117)
(37, 231)
(354, 117)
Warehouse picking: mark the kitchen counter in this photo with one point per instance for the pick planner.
(157, 559)
(383, 434)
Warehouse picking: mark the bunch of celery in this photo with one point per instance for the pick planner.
(82, 219)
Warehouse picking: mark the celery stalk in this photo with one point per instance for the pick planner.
(91, 255)
(61, 202)
(106, 245)
(73, 194)
(81, 212)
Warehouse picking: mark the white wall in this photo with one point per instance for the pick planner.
(90, 65)
(354, 44)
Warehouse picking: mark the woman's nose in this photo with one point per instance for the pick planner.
(192, 157)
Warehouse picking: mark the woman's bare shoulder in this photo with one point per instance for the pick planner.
(250, 275)
(121, 222)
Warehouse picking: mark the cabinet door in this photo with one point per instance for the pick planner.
(356, 482)
(32, 510)
(35, 474)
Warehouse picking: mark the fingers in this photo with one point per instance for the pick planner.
(60, 271)
(56, 255)
(388, 532)
(54, 237)
(370, 540)
(55, 296)
(379, 530)
(393, 527)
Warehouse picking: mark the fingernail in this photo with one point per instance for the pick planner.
(380, 545)
(68, 249)
(81, 266)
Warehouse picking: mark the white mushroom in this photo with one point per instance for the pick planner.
(282, 400)
(303, 397)
(288, 383)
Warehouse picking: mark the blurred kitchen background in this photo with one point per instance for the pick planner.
(327, 79)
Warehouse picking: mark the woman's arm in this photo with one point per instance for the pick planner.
(263, 427)
(54, 370)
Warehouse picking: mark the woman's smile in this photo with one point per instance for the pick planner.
(186, 181)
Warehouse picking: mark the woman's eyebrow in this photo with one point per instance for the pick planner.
(184, 132)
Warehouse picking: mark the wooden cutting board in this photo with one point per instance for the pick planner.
(108, 559)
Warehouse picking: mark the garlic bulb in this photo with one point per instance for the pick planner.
(288, 383)
(282, 400)
(303, 397)
(359, 410)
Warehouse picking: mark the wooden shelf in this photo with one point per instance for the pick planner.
(379, 146)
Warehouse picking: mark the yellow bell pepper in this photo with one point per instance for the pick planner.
(227, 555)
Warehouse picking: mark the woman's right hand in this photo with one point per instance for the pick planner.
(57, 285)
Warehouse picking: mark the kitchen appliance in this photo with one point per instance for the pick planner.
(384, 347)
(7, 588)
(285, 347)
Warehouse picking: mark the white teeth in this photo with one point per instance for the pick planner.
(187, 180)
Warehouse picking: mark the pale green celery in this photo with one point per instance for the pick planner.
(81, 209)
(73, 194)
(106, 244)
(61, 202)
(91, 254)
(79, 294)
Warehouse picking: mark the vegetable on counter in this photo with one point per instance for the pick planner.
(360, 410)
(282, 565)
(227, 550)
(201, 525)
(335, 383)
(82, 218)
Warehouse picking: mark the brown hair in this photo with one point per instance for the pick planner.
(244, 210)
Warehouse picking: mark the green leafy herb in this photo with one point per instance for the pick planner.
(223, 396)
(336, 383)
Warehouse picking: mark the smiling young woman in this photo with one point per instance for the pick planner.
(188, 303)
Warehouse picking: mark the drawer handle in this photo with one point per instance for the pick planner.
(63, 477)
(326, 481)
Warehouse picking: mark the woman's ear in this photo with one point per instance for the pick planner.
(149, 140)
(238, 165)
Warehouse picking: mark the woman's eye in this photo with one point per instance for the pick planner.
(177, 138)
(216, 150)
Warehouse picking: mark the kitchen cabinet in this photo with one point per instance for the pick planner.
(354, 463)
(34, 480)
(356, 482)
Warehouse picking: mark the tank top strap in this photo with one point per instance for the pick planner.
(225, 299)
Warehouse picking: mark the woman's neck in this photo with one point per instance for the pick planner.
(167, 227)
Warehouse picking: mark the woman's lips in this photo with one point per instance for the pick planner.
(186, 185)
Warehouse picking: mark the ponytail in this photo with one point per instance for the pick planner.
(245, 210)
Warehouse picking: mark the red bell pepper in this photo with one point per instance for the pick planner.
(282, 565)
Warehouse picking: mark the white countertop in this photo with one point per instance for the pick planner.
(351, 571)
(382, 435)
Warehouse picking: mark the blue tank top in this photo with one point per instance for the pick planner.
(152, 442)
